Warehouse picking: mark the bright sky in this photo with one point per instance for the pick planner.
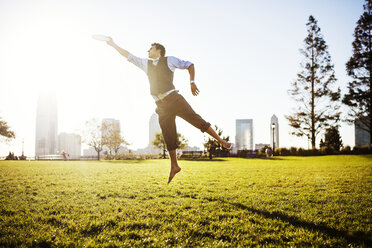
(246, 54)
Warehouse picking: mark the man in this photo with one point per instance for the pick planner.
(160, 70)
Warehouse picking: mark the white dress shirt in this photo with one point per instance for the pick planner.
(173, 63)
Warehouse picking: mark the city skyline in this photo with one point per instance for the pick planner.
(49, 143)
(246, 55)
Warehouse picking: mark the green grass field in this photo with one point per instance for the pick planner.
(287, 201)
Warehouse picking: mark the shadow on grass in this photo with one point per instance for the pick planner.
(129, 161)
(147, 160)
(271, 158)
(204, 159)
(358, 237)
(224, 159)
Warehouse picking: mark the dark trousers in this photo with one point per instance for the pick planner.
(175, 105)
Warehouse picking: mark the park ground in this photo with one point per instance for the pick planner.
(285, 201)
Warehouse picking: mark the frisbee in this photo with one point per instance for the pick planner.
(100, 37)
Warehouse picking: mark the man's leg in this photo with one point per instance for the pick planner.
(188, 114)
(167, 124)
(174, 165)
(224, 143)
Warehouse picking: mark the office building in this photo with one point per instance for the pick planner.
(274, 132)
(362, 136)
(46, 142)
(244, 134)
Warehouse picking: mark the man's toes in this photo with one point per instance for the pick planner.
(173, 173)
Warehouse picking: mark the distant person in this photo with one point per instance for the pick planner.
(269, 152)
(160, 70)
(65, 156)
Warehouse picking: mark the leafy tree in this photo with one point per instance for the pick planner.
(322, 143)
(359, 68)
(333, 138)
(214, 148)
(93, 135)
(318, 106)
(159, 142)
(5, 130)
(182, 142)
(112, 138)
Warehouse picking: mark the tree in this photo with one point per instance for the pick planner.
(182, 142)
(93, 135)
(359, 68)
(112, 138)
(214, 148)
(333, 139)
(322, 144)
(5, 130)
(159, 142)
(318, 104)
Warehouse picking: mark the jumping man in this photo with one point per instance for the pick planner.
(160, 70)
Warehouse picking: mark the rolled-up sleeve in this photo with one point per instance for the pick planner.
(174, 63)
(139, 62)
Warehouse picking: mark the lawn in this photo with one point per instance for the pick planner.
(287, 201)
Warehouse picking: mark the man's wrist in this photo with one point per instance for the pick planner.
(192, 81)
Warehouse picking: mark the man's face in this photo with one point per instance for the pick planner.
(153, 52)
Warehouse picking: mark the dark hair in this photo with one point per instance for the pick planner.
(159, 47)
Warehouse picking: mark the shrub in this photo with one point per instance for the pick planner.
(293, 151)
(262, 151)
(361, 150)
(327, 150)
(313, 152)
(191, 155)
(132, 156)
(301, 151)
(346, 150)
(11, 156)
(282, 151)
(246, 154)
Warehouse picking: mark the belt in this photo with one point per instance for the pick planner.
(161, 96)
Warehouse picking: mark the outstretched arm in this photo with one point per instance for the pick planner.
(122, 51)
(194, 89)
(141, 63)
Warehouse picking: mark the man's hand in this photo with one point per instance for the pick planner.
(122, 51)
(194, 89)
(110, 42)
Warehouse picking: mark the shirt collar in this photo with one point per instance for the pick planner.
(155, 61)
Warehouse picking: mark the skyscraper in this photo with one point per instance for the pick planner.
(154, 128)
(244, 134)
(46, 125)
(274, 132)
(361, 134)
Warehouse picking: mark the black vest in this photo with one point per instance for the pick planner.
(160, 76)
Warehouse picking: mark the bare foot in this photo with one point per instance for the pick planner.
(173, 172)
(227, 145)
